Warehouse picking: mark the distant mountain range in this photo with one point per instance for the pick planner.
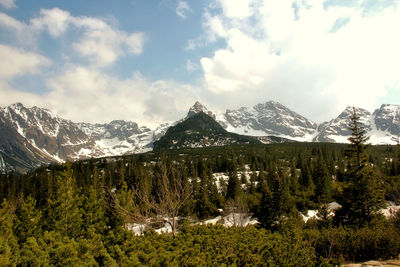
(33, 136)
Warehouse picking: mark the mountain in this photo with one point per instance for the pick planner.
(272, 118)
(336, 130)
(200, 130)
(269, 118)
(382, 126)
(33, 136)
(16, 153)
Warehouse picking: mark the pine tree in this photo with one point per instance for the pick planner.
(322, 180)
(33, 253)
(28, 219)
(8, 242)
(64, 207)
(94, 206)
(363, 194)
(204, 206)
(275, 201)
(233, 188)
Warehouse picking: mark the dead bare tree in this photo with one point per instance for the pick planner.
(139, 207)
(125, 203)
(171, 196)
(236, 212)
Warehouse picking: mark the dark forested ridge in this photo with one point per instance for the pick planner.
(77, 213)
(200, 130)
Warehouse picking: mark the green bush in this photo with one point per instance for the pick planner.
(360, 244)
(217, 245)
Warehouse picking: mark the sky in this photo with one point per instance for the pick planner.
(148, 61)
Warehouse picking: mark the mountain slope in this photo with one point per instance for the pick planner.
(16, 153)
(200, 130)
(382, 126)
(269, 118)
(32, 136)
(337, 130)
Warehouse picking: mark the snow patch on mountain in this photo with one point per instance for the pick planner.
(382, 126)
(269, 118)
(45, 136)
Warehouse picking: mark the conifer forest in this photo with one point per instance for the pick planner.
(106, 211)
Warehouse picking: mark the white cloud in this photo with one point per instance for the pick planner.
(135, 42)
(8, 3)
(14, 27)
(287, 51)
(90, 95)
(191, 45)
(55, 21)
(15, 62)
(85, 92)
(191, 66)
(183, 9)
(9, 96)
(236, 9)
(9, 22)
(98, 41)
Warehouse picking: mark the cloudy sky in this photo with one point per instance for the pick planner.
(149, 61)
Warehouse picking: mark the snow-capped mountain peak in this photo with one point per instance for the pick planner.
(31, 136)
(196, 108)
(52, 138)
(382, 126)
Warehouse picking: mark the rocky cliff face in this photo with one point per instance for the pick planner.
(337, 131)
(32, 136)
(270, 118)
(387, 118)
(382, 126)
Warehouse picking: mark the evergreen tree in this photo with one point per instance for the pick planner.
(305, 179)
(363, 195)
(233, 188)
(275, 201)
(64, 207)
(322, 180)
(8, 242)
(28, 219)
(94, 206)
(204, 206)
(33, 253)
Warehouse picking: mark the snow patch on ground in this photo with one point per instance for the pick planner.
(310, 214)
(232, 219)
(390, 210)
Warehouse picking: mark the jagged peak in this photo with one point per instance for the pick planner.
(20, 107)
(349, 110)
(390, 106)
(271, 104)
(119, 122)
(17, 105)
(196, 108)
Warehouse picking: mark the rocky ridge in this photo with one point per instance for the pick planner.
(32, 136)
